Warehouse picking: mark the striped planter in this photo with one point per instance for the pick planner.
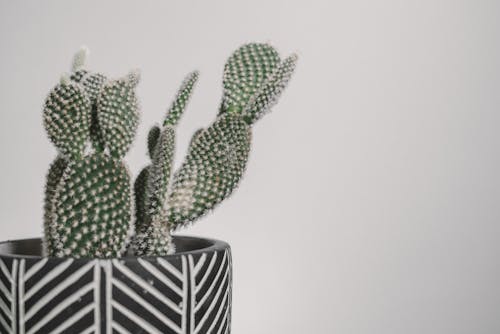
(188, 292)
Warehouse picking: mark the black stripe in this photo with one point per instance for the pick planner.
(150, 298)
(63, 295)
(211, 275)
(103, 299)
(85, 322)
(130, 303)
(49, 286)
(68, 312)
(213, 313)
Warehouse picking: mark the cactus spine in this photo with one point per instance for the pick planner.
(92, 121)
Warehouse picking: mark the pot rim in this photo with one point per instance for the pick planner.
(208, 245)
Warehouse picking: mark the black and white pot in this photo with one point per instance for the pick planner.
(188, 292)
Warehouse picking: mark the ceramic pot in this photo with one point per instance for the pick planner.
(187, 292)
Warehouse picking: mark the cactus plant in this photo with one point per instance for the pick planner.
(92, 121)
(88, 207)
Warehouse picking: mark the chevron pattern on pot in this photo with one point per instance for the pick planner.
(185, 294)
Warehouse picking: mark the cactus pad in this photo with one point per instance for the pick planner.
(66, 118)
(177, 108)
(215, 163)
(244, 73)
(159, 174)
(117, 114)
(92, 209)
(153, 136)
(270, 91)
(140, 185)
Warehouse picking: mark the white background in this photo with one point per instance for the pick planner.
(371, 202)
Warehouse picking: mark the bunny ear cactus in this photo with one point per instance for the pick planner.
(88, 204)
(254, 77)
(92, 121)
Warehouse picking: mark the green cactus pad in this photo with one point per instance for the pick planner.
(159, 174)
(66, 118)
(117, 114)
(54, 176)
(177, 108)
(270, 91)
(92, 209)
(244, 73)
(153, 136)
(140, 185)
(214, 165)
(154, 240)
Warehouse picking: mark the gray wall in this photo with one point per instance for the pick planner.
(371, 200)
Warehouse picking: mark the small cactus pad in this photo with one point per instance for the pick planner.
(154, 240)
(159, 174)
(153, 136)
(66, 118)
(245, 71)
(54, 176)
(177, 108)
(117, 114)
(270, 91)
(140, 185)
(215, 163)
(92, 209)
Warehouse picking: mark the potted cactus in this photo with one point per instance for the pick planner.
(107, 262)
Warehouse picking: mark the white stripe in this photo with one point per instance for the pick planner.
(184, 292)
(33, 270)
(207, 273)
(5, 291)
(212, 305)
(14, 294)
(109, 295)
(139, 321)
(149, 307)
(4, 324)
(5, 309)
(193, 299)
(200, 264)
(62, 307)
(48, 277)
(224, 319)
(217, 315)
(5, 270)
(117, 327)
(158, 274)
(146, 286)
(89, 330)
(20, 296)
(212, 286)
(77, 316)
(97, 295)
(58, 289)
(170, 268)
